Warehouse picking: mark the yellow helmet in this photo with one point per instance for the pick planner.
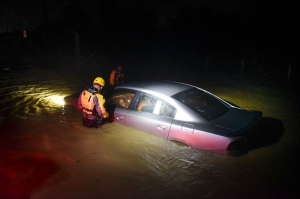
(99, 80)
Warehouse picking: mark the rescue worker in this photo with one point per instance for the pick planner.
(91, 102)
(116, 76)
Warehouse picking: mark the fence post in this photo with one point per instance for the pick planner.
(242, 67)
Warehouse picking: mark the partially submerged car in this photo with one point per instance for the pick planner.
(184, 113)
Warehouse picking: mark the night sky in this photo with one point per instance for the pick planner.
(218, 30)
(20, 14)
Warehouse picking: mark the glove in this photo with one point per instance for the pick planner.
(105, 115)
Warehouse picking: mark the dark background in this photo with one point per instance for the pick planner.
(157, 39)
(218, 45)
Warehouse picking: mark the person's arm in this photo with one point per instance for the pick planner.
(141, 105)
(79, 103)
(116, 76)
(99, 105)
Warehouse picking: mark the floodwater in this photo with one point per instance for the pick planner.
(46, 153)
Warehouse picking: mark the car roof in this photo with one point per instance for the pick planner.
(165, 87)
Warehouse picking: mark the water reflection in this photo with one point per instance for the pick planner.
(56, 100)
(24, 96)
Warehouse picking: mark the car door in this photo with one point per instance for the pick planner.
(120, 115)
(151, 115)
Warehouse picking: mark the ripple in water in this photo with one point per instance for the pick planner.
(26, 94)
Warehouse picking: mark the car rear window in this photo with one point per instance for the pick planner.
(202, 103)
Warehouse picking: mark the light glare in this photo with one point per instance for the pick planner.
(56, 99)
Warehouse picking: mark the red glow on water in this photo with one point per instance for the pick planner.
(22, 168)
(22, 172)
(111, 118)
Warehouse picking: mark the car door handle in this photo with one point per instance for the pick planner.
(119, 118)
(160, 127)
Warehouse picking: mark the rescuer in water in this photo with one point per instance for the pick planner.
(116, 76)
(91, 102)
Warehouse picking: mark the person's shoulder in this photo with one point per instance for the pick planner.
(99, 95)
(84, 90)
(90, 90)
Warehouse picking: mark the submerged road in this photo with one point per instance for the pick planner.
(46, 152)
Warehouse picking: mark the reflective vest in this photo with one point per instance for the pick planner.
(116, 77)
(112, 77)
(87, 100)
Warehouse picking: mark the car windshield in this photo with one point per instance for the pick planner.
(201, 102)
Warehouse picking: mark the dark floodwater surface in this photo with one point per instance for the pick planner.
(46, 152)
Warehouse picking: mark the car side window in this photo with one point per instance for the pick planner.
(150, 104)
(167, 110)
(121, 98)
